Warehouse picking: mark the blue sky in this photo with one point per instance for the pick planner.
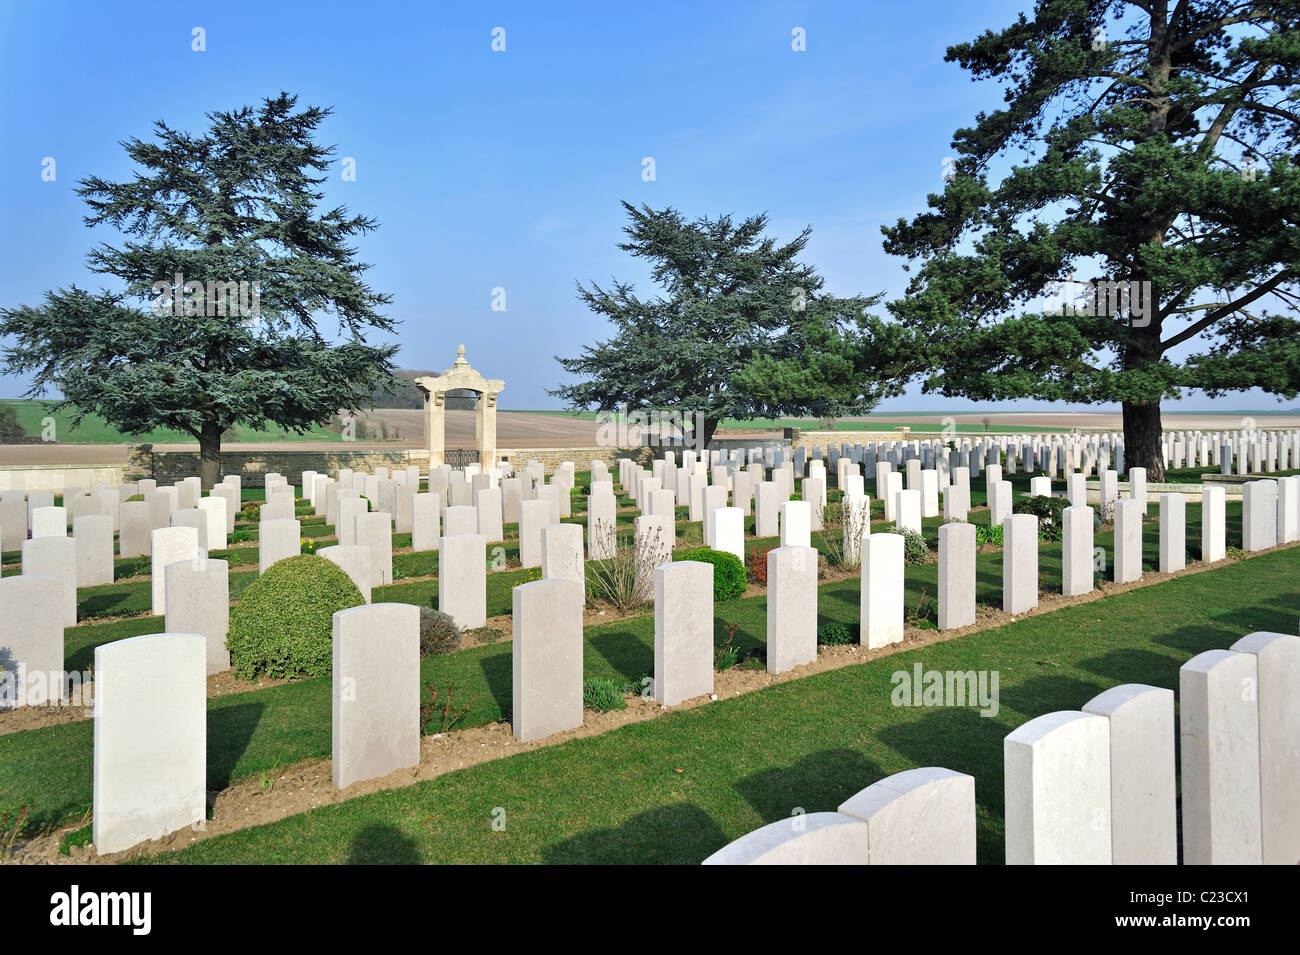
(505, 169)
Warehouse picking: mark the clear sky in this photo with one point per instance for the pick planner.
(492, 170)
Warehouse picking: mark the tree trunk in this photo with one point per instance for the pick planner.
(210, 454)
(710, 426)
(1142, 438)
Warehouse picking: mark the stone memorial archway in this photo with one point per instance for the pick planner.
(460, 376)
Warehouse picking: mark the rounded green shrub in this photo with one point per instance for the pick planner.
(729, 578)
(438, 632)
(283, 624)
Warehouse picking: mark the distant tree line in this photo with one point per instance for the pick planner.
(403, 393)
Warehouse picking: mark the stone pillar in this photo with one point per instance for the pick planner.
(1128, 540)
(956, 575)
(1076, 550)
(1173, 533)
(533, 516)
(1143, 800)
(1258, 515)
(1277, 658)
(353, 560)
(150, 753)
(547, 658)
(485, 428)
(1019, 563)
(1056, 774)
(907, 510)
(791, 607)
(376, 692)
(765, 509)
(1219, 728)
(375, 532)
(434, 424)
(198, 601)
(276, 540)
(683, 631)
(561, 546)
(32, 639)
(796, 523)
(881, 597)
(727, 531)
(462, 579)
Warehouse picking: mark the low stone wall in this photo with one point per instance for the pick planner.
(551, 458)
(821, 439)
(55, 477)
(166, 467)
(1192, 492)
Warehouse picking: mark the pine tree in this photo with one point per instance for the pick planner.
(742, 328)
(1156, 143)
(238, 265)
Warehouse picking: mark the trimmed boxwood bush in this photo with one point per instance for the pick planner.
(729, 578)
(283, 624)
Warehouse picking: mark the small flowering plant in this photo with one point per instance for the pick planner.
(534, 575)
(307, 544)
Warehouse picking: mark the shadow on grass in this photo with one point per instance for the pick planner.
(963, 741)
(1190, 641)
(817, 783)
(115, 599)
(680, 834)
(627, 653)
(1046, 694)
(498, 670)
(229, 730)
(382, 845)
(1134, 666)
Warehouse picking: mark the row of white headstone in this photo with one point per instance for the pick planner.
(548, 625)
(1240, 451)
(149, 782)
(1097, 786)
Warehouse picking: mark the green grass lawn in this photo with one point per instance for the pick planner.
(675, 789)
(95, 430)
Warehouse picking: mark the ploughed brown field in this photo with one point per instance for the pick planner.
(524, 429)
(515, 429)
